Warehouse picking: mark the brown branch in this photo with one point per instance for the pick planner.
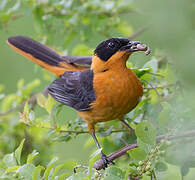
(98, 165)
(138, 32)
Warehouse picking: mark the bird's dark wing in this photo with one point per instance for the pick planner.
(74, 89)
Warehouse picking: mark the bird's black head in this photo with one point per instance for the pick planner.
(109, 47)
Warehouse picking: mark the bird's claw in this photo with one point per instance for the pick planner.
(106, 161)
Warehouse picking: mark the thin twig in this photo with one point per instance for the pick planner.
(31, 100)
(156, 93)
(162, 87)
(155, 74)
(162, 59)
(79, 166)
(79, 132)
(98, 165)
(138, 32)
(12, 110)
(154, 175)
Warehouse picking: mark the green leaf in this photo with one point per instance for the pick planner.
(165, 115)
(37, 173)
(3, 4)
(9, 160)
(29, 87)
(160, 166)
(20, 84)
(129, 65)
(146, 132)
(107, 132)
(138, 154)
(41, 100)
(8, 102)
(2, 129)
(12, 169)
(26, 171)
(32, 156)
(154, 97)
(64, 175)
(77, 176)
(57, 169)
(49, 168)
(114, 173)
(15, 7)
(152, 64)
(140, 72)
(184, 170)
(2, 96)
(64, 137)
(49, 104)
(1, 87)
(146, 147)
(97, 152)
(92, 160)
(68, 164)
(175, 154)
(31, 116)
(146, 77)
(26, 109)
(18, 152)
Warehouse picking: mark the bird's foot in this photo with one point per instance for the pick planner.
(105, 160)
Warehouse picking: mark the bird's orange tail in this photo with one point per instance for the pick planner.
(46, 57)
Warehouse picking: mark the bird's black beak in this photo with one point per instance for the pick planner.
(131, 46)
(134, 46)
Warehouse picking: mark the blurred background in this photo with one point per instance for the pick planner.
(76, 28)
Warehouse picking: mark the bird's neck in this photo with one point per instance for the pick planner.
(113, 63)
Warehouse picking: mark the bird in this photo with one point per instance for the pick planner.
(100, 87)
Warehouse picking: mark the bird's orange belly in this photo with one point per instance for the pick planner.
(116, 96)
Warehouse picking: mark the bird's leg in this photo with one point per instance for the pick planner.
(104, 158)
(127, 125)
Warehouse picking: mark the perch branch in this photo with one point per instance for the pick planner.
(98, 165)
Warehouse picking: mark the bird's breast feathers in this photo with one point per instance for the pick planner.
(116, 94)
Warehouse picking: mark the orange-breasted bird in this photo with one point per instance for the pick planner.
(100, 88)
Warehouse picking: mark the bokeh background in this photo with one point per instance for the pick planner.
(75, 28)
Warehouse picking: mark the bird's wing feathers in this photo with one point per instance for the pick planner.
(80, 60)
(74, 89)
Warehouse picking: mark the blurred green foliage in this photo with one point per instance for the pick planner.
(167, 107)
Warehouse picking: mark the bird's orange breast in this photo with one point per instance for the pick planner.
(117, 93)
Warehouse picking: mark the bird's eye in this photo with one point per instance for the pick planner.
(111, 45)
